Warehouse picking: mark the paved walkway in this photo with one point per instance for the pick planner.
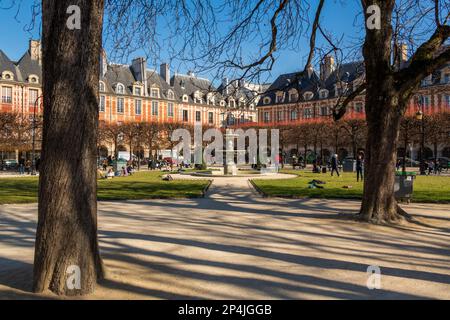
(235, 244)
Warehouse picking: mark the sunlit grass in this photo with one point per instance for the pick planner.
(142, 185)
(426, 188)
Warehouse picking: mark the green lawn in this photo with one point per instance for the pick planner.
(426, 188)
(142, 185)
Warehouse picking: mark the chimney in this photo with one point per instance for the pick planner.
(327, 67)
(226, 85)
(139, 68)
(103, 64)
(164, 71)
(35, 50)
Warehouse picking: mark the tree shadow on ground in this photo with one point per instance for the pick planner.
(175, 223)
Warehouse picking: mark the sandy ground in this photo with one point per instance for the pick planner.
(234, 244)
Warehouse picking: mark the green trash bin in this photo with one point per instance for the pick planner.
(403, 187)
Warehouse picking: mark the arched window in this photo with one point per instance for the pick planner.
(120, 89)
(232, 103)
(170, 95)
(6, 75)
(323, 94)
(308, 95)
(101, 87)
(33, 79)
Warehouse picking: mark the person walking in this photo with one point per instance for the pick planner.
(22, 166)
(360, 167)
(335, 165)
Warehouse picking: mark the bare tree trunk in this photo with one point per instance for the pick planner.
(383, 114)
(67, 223)
(379, 204)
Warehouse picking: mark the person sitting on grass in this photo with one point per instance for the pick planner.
(110, 174)
(124, 172)
(130, 170)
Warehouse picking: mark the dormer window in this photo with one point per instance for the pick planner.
(266, 100)
(308, 95)
(33, 79)
(293, 95)
(6, 75)
(120, 88)
(232, 103)
(154, 93)
(323, 94)
(170, 95)
(101, 87)
(197, 97)
(222, 103)
(137, 91)
(210, 99)
(280, 97)
(185, 98)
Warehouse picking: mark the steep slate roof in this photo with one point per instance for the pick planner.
(7, 65)
(185, 84)
(296, 80)
(154, 79)
(28, 66)
(117, 73)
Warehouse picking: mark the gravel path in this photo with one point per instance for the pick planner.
(235, 244)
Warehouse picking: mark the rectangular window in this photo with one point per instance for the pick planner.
(137, 91)
(185, 115)
(170, 109)
(198, 116)
(138, 107)
(120, 105)
(447, 100)
(426, 101)
(6, 94)
(210, 117)
(307, 113)
(266, 116)
(155, 93)
(33, 95)
(155, 106)
(324, 111)
(280, 115)
(294, 115)
(101, 105)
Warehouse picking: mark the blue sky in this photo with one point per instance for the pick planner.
(338, 17)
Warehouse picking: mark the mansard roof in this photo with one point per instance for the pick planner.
(189, 85)
(7, 65)
(297, 80)
(28, 66)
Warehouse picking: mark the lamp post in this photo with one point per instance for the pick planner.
(420, 117)
(33, 135)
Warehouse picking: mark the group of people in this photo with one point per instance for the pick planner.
(334, 165)
(108, 171)
(26, 166)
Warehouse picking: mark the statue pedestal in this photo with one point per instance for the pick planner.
(230, 169)
(271, 169)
